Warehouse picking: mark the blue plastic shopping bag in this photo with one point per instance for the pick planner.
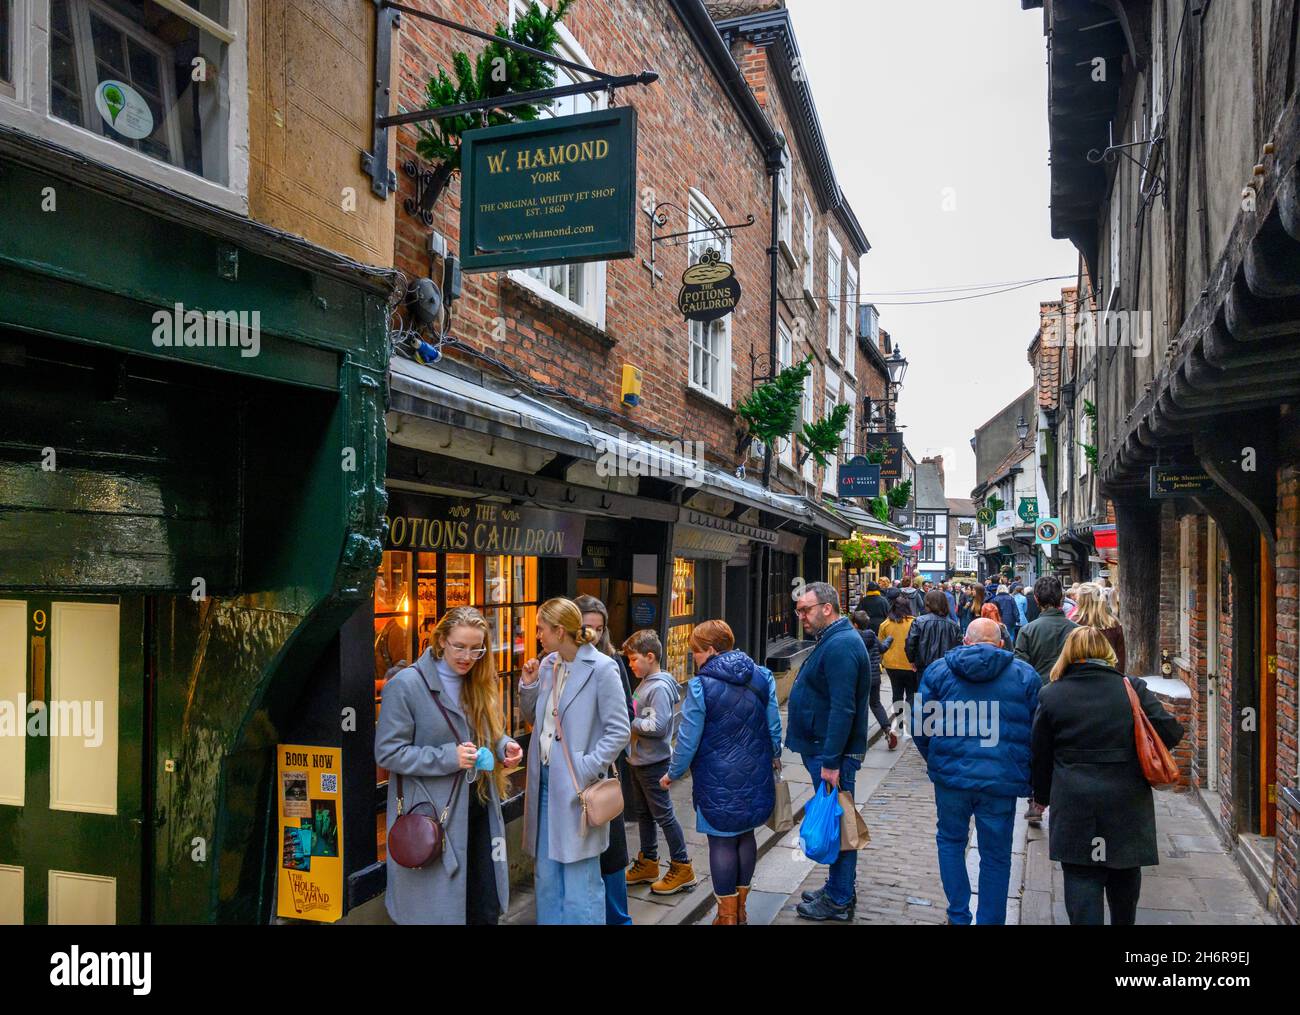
(819, 833)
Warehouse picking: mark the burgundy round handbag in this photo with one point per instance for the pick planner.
(416, 838)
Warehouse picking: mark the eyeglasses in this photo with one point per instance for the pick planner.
(803, 610)
(461, 650)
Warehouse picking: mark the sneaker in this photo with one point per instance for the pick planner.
(822, 909)
(893, 739)
(817, 893)
(680, 878)
(643, 872)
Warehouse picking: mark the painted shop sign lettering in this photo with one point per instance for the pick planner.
(859, 478)
(892, 442)
(553, 191)
(1179, 481)
(710, 289)
(452, 525)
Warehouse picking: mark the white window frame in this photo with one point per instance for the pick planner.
(17, 45)
(829, 473)
(784, 359)
(699, 211)
(1084, 435)
(785, 205)
(850, 318)
(809, 249)
(834, 290)
(849, 439)
(595, 285)
(28, 108)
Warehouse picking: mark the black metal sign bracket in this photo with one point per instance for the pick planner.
(658, 216)
(374, 163)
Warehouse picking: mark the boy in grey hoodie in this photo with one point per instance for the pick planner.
(654, 704)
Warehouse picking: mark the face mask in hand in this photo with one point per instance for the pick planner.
(485, 760)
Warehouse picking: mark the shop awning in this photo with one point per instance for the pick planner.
(868, 524)
(513, 414)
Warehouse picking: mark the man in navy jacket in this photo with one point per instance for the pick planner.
(974, 712)
(828, 727)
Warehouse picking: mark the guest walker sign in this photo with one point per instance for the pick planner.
(552, 191)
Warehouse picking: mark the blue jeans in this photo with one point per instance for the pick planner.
(616, 914)
(571, 893)
(994, 823)
(844, 871)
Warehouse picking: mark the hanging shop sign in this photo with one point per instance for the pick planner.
(1105, 537)
(1028, 510)
(457, 525)
(309, 789)
(558, 190)
(892, 442)
(985, 516)
(710, 289)
(1048, 531)
(859, 478)
(1006, 520)
(1180, 481)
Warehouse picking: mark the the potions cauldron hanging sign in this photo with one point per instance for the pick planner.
(709, 289)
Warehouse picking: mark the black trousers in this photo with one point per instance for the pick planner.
(1085, 885)
(903, 685)
(482, 905)
(877, 709)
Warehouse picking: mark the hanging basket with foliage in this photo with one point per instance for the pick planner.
(860, 552)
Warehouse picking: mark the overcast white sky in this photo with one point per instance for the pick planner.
(920, 96)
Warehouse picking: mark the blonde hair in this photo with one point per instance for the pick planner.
(1093, 609)
(1083, 643)
(480, 693)
(561, 612)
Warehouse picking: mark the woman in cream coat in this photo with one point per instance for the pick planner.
(576, 690)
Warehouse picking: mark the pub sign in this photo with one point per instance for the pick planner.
(557, 190)
(892, 442)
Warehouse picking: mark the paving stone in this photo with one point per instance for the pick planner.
(1197, 843)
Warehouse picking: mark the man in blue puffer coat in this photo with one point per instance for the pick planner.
(974, 711)
(828, 727)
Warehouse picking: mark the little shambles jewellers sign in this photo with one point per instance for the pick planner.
(1179, 481)
(553, 191)
(454, 525)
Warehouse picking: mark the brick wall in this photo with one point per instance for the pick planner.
(690, 136)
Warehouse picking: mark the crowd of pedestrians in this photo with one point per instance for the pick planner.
(1009, 693)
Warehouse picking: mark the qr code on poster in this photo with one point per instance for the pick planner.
(329, 783)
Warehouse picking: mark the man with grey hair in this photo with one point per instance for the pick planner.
(974, 712)
(828, 727)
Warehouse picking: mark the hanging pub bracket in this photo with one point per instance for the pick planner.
(374, 163)
(658, 217)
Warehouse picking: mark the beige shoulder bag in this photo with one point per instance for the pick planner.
(602, 801)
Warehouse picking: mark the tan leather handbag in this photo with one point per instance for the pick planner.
(1158, 764)
(602, 801)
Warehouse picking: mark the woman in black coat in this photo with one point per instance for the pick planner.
(1102, 826)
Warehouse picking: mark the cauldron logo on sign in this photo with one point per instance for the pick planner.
(709, 289)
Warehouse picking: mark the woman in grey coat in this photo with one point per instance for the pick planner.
(576, 698)
(469, 884)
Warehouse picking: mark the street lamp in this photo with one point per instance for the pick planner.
(1022, 430)
(897, 366)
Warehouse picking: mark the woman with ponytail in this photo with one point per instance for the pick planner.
(415, 740)
(580, 726)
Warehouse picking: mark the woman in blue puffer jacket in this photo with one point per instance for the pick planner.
(730, 739)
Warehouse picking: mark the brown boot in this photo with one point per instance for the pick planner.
(680, 878)
(726, 909)
(742, 893)
(643, 872)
